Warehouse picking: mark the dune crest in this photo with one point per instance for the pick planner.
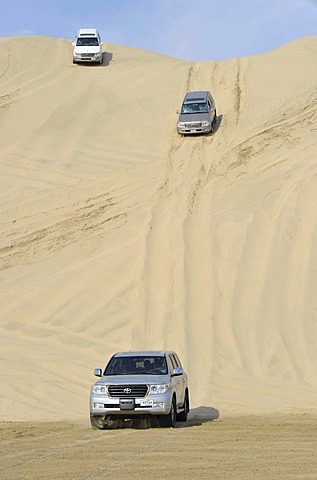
(116, 233)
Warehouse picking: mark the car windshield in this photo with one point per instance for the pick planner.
(87, 42)
(137, 365)
(194, 108)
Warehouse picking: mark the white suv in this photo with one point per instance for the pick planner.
(87, 46)
(140, 384)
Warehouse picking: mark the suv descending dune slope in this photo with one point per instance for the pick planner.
(87, 46)
(140, 384)
(198, 114)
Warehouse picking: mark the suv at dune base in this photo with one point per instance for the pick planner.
(141, 384)
(87, 46)
(198, 114)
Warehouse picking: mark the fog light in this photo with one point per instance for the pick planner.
(158, 404)
(99, 405)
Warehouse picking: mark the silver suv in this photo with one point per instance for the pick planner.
(198, 114)
(149, 384)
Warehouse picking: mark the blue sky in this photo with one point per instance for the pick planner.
(186, 29)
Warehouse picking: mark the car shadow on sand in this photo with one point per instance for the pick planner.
(106, 59)
(197, 416)
(217, 124)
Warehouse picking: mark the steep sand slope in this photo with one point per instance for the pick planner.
(118, 234)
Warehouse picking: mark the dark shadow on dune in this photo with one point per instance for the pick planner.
(217, 124)
(106, 59)
(198, 416)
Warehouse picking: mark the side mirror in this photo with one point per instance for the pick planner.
(73, 43)
(178, 112)
(177, 371)
(98, 372)
(101, 43)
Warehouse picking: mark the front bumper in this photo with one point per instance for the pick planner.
(149, 405)
(90, 59)
(193, 130)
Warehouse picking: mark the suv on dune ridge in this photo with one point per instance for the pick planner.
(133, 385)
(87, 46)
(198, 114)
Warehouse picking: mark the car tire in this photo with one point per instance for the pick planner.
(104, 423)
(182, 416)
(214, 122)
(169, 420)
(97, 422)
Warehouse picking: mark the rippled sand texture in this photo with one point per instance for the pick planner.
(258, 447)
(116, 233)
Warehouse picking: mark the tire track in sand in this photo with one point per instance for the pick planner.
(162, 270)
(174, 291)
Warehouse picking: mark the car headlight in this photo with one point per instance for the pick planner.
(99, 390)
(157, 389)
(181, 125)
(97, 54)
(205, 124)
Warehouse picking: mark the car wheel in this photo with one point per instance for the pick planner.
(102, 423)
(169, 420)
(182, 416)
(214, 122)
(97, 422)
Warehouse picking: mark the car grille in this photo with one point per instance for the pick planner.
(127, 390)
(193, 125)
(88, 55)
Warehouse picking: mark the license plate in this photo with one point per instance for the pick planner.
(146, 403)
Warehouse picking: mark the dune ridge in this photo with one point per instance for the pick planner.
(118, 234)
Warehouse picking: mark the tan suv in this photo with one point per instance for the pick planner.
(133, 385)
(198, 114)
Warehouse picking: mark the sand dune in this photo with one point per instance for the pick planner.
(116, 233)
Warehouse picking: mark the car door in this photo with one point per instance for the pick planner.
(212, 107)
(177, 380)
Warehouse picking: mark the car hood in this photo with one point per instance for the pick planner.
(132, 379)
(94, 49)
(194, 117)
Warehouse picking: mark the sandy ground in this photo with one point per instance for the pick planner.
(276, 447)
(117, 234)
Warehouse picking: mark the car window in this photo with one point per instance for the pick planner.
(194, 108)
(87, 42)
(177, 360)
(173, 362)
(137, 365)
